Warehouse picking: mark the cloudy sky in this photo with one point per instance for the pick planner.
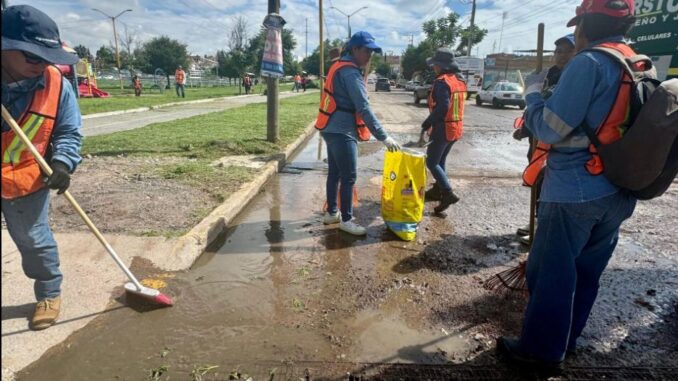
(203, 24)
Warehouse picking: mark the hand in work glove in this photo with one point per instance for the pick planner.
(534, 82)
(391, 144)
(60, 178)
(519, 134)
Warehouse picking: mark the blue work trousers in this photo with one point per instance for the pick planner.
(572, 246)
(180, 90)
(436, 155)
(342, 161)
(28, 225)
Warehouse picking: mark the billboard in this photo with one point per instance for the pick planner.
(655, 34)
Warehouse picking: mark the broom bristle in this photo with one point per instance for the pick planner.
(512, 279)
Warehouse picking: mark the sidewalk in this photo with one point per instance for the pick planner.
(109, 122)
(91, 278)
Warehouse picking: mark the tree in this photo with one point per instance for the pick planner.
(311, 64)
(380, 66)
(442, 32)
(237, 37)
(477, 34)
(164, 53)
(255, 51)
(83, 52)
(105, 57)
(414, 58)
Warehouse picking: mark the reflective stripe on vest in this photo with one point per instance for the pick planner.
(611, 129)
(328, 105)
(454, 124)
(21, 174)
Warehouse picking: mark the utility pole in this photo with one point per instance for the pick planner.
(272, 96)
(501, 35)
(115, 36)
(412, 39)
(470, 37)
(348, 17)
(322, 48)
(306, 38)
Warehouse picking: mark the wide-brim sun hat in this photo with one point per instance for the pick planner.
(444, 58)
(30, 30)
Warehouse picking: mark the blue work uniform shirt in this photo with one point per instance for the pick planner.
(350, 93)
(66, 138)
(585, 92)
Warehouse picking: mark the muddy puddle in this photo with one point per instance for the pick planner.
(281, 287)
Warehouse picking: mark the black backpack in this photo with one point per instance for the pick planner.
(645, 160)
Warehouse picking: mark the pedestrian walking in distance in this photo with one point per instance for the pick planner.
(136, 82)
(180, 81)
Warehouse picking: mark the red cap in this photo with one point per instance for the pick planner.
(604, 7)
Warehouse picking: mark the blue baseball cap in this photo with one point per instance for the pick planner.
(568, 39)
(363, 39)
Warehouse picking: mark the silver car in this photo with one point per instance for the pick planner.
(502, 94)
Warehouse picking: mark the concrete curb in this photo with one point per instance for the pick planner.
(189, 247)
(149, 108)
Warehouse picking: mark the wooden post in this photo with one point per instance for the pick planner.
(533, 188)
(272, 95)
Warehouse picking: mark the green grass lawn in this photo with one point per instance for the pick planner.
(125, 99)
(202, 139)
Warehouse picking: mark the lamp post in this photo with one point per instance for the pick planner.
(115, 36)
(348, 17)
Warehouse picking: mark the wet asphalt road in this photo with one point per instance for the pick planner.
(282, 286)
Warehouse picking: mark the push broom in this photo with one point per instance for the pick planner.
(133, 286)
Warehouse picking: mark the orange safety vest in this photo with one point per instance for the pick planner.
(179, 76)
(610, 130)
(454, 124)
(328, 105)
(21, 174)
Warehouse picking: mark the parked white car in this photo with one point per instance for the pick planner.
(502, 94)
(409, 86)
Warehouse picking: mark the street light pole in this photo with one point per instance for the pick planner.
(115, 37)
(348, 17)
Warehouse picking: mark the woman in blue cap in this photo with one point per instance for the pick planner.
(345, 117)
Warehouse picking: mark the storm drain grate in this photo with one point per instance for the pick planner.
(324, 371)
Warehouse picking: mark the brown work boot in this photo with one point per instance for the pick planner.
(46, 313)
(448, 198)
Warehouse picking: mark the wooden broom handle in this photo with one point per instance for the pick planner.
(48, 171)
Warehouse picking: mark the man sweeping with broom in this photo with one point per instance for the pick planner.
(43, 102)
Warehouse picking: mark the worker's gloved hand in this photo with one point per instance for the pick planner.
(519, 134)
(426, 125)
(391, 144)
(60, 178)
(534, 82)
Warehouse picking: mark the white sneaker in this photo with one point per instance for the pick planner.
(330, 219)
(352, 228)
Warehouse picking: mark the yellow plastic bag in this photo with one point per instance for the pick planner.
(402, 192)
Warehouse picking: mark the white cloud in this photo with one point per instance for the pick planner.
(203, 24)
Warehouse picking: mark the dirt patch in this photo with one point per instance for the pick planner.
(126, 195)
